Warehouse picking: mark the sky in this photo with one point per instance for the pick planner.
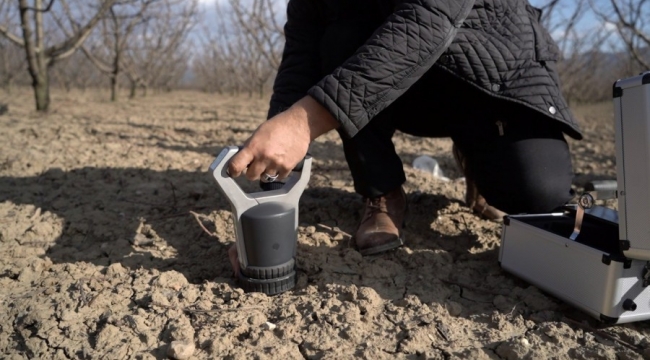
(586, 26)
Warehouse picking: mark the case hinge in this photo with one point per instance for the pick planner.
(645, 275)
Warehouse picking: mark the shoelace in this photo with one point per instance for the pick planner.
(374, 206)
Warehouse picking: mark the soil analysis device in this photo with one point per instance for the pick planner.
(266, 226)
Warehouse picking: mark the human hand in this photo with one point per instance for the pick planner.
(279, 144)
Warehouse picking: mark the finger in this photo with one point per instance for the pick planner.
(255, 170)
(234, 260)
(239, 162)
(271, 172)
(283, 174)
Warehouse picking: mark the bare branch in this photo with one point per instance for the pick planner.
(11, 37)
(101, 66)
(69, 46)
(47, 8)
(628, 19)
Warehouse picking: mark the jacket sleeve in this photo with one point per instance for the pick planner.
(408, 43)
(300, 66)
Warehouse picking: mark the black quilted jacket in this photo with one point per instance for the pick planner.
(498, 46)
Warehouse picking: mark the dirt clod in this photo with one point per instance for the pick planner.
(181, 350)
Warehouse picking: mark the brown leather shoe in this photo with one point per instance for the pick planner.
(473, 199)
(380, 228)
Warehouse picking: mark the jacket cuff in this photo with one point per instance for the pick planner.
(275, 109)
(347, 128)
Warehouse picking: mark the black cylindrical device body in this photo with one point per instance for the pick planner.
(269, 235)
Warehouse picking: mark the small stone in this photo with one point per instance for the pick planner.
(269, 325)
(183, 349)
(524, 342)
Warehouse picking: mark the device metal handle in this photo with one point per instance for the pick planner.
(241, 201)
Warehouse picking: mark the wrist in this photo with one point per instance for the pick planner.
(318, 119)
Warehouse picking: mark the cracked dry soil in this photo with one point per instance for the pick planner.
(101, 257)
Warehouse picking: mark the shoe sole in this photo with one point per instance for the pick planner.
(382, 248)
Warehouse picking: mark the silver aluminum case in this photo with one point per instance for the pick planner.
(580, 275)
(592, 280)
(632, 113)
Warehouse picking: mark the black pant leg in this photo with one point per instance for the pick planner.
(523, 168)
(374, 164)
(518, 158)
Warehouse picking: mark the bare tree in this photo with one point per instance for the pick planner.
(159, 53)
(243, 49)
(218, 67)
(76, 72)
(261, 38)
(581, 46)
(12, 65)
(258, 22)
(107, 52)
(631, 19)
(41, 57)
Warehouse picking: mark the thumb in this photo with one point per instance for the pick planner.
(239, 162)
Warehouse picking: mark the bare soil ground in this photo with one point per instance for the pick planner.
(102, 258)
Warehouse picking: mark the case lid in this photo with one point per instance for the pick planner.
(632, 122)
(639, 80)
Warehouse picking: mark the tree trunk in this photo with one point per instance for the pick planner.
(134, 88)
(41, 85)
(113, 88)
(261, 90)
(8, 86)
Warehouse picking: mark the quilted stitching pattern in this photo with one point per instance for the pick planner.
(502, 43)
(398, 54)
(496, 45)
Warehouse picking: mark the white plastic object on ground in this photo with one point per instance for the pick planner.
(429, 165)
